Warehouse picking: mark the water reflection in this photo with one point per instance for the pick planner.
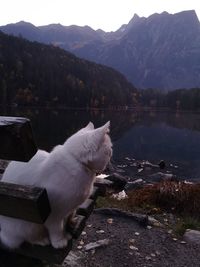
(52, 127)
(173, 137)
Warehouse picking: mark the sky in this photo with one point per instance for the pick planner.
(107, 15)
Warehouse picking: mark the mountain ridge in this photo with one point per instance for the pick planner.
(160, 51)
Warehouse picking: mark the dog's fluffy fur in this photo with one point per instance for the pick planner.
(68, 174)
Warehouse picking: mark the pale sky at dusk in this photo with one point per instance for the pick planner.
(107, 15)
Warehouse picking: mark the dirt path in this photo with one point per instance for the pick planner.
(131, 244)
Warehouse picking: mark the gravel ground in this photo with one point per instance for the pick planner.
(131, 245)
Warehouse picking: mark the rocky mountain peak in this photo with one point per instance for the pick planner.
(135, 18)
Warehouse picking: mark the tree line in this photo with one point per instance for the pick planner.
(34, 74)
(183, 99)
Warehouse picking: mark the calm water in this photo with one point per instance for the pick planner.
(173, 137)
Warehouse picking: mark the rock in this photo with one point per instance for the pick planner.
(73, 259)
(110, 168)
(160, 176)
(119, 196)
(149, 164)
(100, 231)
(102, 176)
(102, 181)
(133, 248)
(162, 164)
(3, 165)
(139, 166)
(83, 233)
(97, 244)
(81, 242)
(139, 218)
(110, 183)
(134, 185)
(110, 220)
(148, 258)
(183, 242)
(118, 180)
(104, 185)
(132, 241)
(192, 236)
(153, 222)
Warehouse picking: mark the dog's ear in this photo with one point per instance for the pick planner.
(90, 126)
(103, 129)
(98, 135)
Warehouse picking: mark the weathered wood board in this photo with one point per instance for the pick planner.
(16, 139)
(24, 202)
(45, 253)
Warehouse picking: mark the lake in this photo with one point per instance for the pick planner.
(153, 136)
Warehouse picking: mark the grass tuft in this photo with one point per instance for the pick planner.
(186, 223)
(178, 198)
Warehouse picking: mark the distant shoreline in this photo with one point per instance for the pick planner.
(117, 108)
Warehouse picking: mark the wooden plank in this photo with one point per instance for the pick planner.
(16, 139)
(103, 185)
(45, 253)
(95, 193)
(86, 207)
(77, 229)
(10, 259)
(24, 202)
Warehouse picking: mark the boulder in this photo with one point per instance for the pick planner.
(192, 236)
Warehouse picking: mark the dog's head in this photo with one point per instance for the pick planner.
(92, 147)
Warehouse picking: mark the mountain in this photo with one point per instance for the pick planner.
(161, 51)
(67, 37)
(37, 74)
(28, 30)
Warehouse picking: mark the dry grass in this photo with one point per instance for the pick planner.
(109, 202)
(177, 197)
(181, 199)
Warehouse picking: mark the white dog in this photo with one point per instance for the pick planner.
(68, 174)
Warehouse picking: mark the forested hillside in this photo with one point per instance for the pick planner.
(41, 75)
